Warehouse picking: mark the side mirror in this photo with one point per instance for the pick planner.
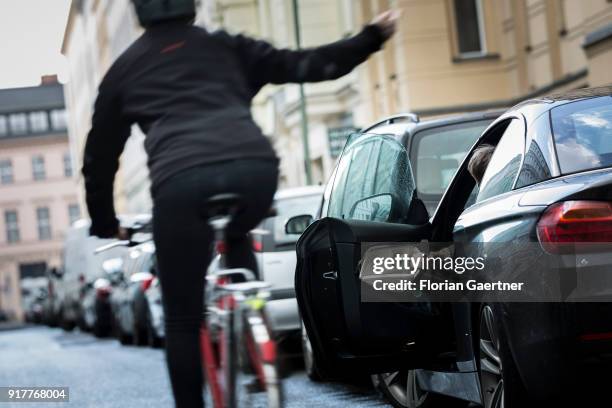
(379, 207)
(298, 224)
(57, 273)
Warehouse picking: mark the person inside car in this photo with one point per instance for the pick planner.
(190, 91)
(480, 161)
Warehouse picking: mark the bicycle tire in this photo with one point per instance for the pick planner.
(264, 357)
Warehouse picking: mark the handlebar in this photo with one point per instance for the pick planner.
(131, 231)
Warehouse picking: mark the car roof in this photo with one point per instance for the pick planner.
(405, 129)
(534, 107)
(299, 192)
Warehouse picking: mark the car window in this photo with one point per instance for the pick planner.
(505, 162)
(538, 163)
(377, 184)
(353, 179)
(583, 134)
(438, 152)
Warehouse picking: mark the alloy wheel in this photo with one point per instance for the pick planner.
(491, 370)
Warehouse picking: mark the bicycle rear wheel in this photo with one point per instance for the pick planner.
(263, 357)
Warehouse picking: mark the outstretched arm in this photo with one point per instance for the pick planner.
(267, 64)
(105, 142)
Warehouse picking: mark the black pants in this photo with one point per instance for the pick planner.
(184, 241)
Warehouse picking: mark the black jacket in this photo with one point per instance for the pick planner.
(190, 92)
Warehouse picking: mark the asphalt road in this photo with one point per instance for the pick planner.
(102, 373)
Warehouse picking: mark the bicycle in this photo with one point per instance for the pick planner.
(234, 316)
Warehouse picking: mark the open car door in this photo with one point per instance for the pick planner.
(347, 334)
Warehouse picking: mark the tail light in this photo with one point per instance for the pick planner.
(103, 292)
(257, 245)
(103, 288)
(146, 283)
(574, 222)
(221, 247)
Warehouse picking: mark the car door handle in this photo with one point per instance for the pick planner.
(333, 275)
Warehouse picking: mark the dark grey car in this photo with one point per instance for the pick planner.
(548, 186)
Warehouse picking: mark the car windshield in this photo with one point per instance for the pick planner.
(583, 134)
(437, 153)
(287, 208)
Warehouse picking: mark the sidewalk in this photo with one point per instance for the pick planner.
(12, 326)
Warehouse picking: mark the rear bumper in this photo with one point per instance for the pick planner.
(282, 311)
(550, 341)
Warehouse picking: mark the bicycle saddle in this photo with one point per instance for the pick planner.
(223, 204)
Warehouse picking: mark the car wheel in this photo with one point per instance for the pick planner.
(402, 390)
(499, 379)
(309, 362)
(153, 340)
(65, 324)
(393, 386)
(99, 330)
(140, 334)
(121, 335)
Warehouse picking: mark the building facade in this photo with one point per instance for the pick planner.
(449, 56)
(98, 31)
(38, 198)
(452, 56)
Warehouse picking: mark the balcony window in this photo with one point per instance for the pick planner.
(3, 126)
(12, 226)
(38, 168)
(18, 123)
(58, 119)
(67, 165)
(74, 212)
(6, 172)
(44, 223)
(39, 122)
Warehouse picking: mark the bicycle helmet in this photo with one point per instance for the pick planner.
(154, 11)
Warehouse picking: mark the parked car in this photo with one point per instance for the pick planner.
(33, 295)
(275, 253)
(435, 148)
(51, 304)
(128, 301)
(548, 182)
(95, 301)
(81, 266)
(154, 314)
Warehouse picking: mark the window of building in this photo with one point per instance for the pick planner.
(39, 122)
(74, 212)
(44, 223)
(18, 123)
(38, 168)
(470, 27)
(12, 226)
(58, 119)
(3, 126)
(67, 165)
(6, 172)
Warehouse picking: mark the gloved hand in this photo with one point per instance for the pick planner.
(387, 22)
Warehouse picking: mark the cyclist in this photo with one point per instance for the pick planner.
(190, 92)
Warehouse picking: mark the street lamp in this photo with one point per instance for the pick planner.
(303, 111)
